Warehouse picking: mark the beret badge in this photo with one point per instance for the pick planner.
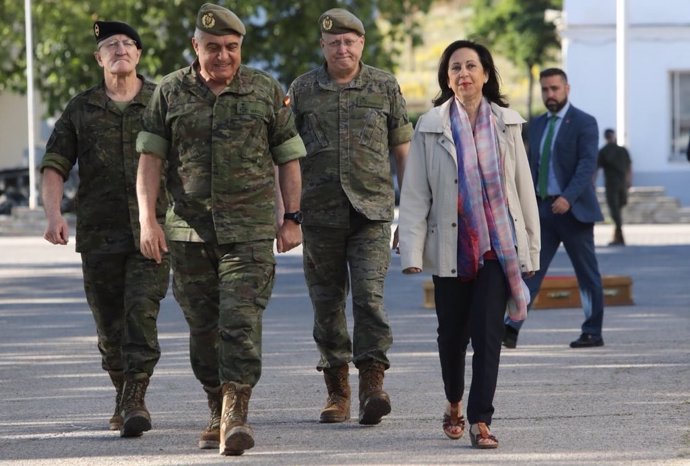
(208, 20)
(96, 30)
(327, 23)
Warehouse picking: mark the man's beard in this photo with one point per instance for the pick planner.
(555, 106)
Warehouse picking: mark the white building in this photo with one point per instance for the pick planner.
(658, 97)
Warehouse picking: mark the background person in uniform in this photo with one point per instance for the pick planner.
(97, 130)
(221, 126)
(351, 117)
(468, 215)
(615, 161)
(563, 159)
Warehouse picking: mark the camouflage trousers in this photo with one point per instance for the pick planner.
(223, 291)
(124, 291)
(334, 258)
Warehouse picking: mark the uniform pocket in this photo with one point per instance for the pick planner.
(372, 135)
(314, 137)
(262, 254)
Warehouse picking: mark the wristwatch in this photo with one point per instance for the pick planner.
(294, 216)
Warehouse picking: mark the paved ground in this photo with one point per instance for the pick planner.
(625, 403)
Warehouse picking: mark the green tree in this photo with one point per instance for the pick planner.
(282, 38)
(517, 29)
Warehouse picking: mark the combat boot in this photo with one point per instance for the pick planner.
(118, 379)
(235, 434)
(337, 407)
(136, 418)
(374, 403)
(210, 437)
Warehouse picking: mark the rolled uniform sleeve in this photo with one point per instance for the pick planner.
(284, 140)
(155, 138)
(61, 149)
(399, 127)
(152, 144)
(289, 150)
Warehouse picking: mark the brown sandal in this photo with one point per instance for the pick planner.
(453, 422)
(481, 436)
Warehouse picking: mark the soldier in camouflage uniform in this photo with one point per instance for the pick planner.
(98, 130)
(351, 117)
(221, 126)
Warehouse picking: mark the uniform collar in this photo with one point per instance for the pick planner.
(325, 81)
(240, 84)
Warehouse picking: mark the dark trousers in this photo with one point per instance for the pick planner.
(616, 198)
(578, 239)
(124, 291)
(471, 311)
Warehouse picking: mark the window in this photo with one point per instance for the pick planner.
(680, 114)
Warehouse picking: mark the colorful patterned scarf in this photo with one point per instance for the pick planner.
(484, 222)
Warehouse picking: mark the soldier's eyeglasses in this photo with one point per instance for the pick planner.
(114, 45)
(336, 44)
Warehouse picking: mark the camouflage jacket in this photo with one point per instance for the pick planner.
(93, 133)
(348, 132)
(220, 152)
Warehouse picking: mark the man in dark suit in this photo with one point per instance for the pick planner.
(563, 158)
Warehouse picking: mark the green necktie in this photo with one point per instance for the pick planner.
(545, 159)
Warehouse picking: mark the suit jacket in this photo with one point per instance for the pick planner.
(574, 160)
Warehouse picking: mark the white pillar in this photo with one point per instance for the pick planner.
(622, 71)
(30, 102)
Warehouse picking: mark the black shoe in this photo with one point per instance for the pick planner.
(510, 337)
(587, 340)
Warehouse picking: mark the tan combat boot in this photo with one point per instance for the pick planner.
(210, 437)
(235, 434)
(374, 403)
(118, 379)
(337, 407)
(137, 419)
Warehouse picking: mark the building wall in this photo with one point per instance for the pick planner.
(14, 132)
(659, 40)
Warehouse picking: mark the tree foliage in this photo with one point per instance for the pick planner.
(282, 38)
(517, 29)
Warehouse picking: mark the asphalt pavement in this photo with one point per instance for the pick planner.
(625, 403)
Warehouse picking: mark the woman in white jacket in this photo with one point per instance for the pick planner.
(468, 215)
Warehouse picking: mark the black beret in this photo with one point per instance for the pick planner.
(104, 29)
(340, 21)
(218, 21)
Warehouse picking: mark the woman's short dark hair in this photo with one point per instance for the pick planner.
(491, 89)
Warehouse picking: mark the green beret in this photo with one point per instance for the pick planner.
(340, 21)
(218, 21)
(104, 29)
